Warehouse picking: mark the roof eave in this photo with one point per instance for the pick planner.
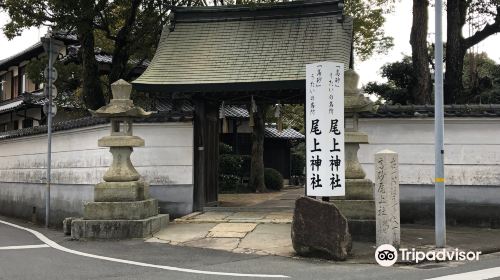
(221, 87)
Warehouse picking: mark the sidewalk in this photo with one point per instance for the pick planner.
(268, 233)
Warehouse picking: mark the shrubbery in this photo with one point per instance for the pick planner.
(298, 163)
(225, 149)
(230, 164)
(273, 179)
(234, 168)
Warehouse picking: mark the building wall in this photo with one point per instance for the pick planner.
(472, 163)
(7, 86)
(78, 164)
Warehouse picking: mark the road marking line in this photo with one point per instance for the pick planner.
(476, 275)
(24, 247)
(56, 246)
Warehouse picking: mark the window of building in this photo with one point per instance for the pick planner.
(15, 86)
(16, 125)
(27, 123)
(4, 127)
(2, 84)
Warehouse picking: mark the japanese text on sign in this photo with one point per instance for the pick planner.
(325, 129)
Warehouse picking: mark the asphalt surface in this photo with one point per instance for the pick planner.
(53, 263)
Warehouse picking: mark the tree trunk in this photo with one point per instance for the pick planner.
(455, 50)
(121, 52)
(92, 91)
(420, 57)
(257, 162)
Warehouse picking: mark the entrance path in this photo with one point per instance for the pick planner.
(283, 200)
(256, 223)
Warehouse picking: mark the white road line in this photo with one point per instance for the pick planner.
(56, 246)
(24, 247)
(476, 275)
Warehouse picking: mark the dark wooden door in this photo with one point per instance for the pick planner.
(206, 154)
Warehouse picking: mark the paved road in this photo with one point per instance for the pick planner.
(47, 254)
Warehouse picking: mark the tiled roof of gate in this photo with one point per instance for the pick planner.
(235, 112)
(289, 133)
(247, 44)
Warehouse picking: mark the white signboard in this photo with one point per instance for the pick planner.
(325, 158)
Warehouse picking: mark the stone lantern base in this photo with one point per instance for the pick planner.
(120, 210)
(119, 220)
(118, 229)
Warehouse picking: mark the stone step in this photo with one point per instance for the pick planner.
(356, 209)
(358, 189)
(118, 229)
(362, 230)
(129, 210)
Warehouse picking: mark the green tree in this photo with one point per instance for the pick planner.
(77, 16)
(484, 16)
(128, 29)
(68, 83)
(368, 19)
(400, 77)
(481, 80)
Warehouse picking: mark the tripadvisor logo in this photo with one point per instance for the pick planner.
(387, 255)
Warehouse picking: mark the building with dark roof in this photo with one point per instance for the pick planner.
(22, 100)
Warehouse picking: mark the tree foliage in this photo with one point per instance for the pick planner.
(127, 29)
(400, 76)
(68, 83)
(368, 35)
(481, 82)
(484, 17)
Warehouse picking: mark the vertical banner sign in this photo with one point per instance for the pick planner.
(325, 162)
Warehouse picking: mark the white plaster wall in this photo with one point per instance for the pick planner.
(472, 149)
(76, 158)
(166, 162)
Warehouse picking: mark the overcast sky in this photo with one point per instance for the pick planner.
(398, 25)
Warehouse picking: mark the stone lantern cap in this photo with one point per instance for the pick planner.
(121, 106)
(354, 100)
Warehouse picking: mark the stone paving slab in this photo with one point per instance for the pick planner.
(180, 233)
(226, 244)
(269, 239)
(247, 216)
(259, 217)
(234, 227)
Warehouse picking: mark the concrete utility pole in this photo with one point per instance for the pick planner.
(52, 47)
(440, 214)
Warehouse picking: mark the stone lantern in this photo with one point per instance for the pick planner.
(358, 205)
(122, 207)
(357, 186)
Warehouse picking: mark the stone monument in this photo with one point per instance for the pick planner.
(122, 207)
(358, 205)
(387, 198)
